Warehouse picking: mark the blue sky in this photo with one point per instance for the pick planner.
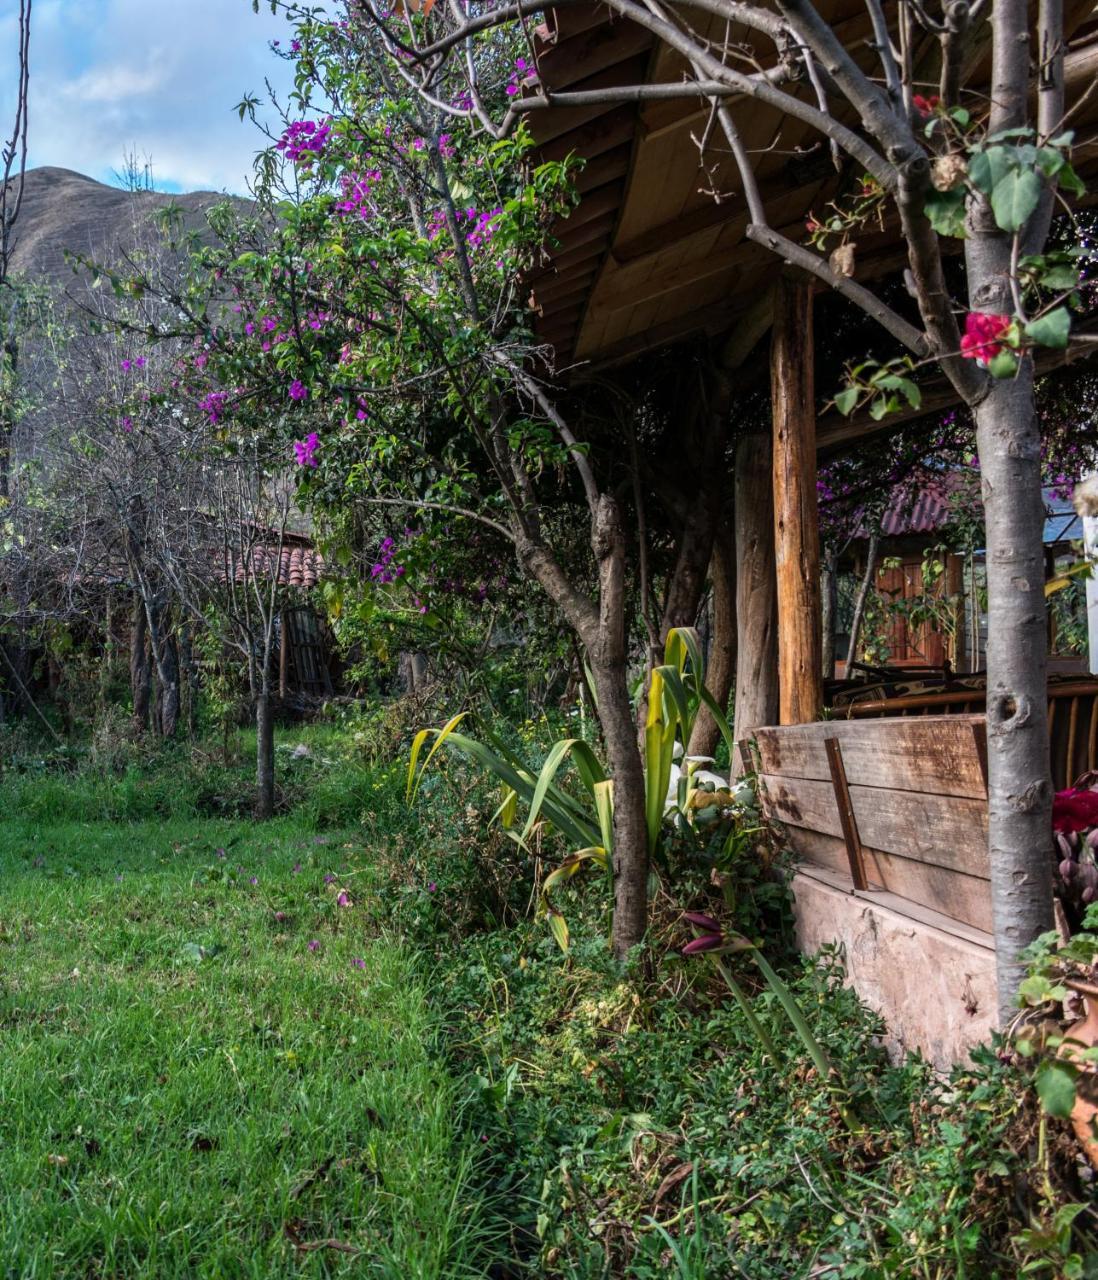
(158, 76)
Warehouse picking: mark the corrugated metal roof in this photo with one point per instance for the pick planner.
(934, 505)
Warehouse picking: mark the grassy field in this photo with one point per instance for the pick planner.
(215, 1065)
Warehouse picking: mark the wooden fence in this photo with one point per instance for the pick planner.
(897, 805)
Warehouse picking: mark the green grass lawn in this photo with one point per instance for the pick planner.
(211, 1065)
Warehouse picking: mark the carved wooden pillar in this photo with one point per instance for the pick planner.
(796, 526)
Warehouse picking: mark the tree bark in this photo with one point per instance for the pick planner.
(721, 667)
(139, 667)
(168, 667)
(630, 859)
(264, 755)
(756, 589)
(607, 651)
(1009, 446)
(796, 529)
(1019, 782)
(860, 601)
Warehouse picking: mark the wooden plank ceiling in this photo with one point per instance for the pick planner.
(655, 250)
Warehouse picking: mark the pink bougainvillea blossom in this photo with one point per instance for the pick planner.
(305, 450)
(981, 339)
(298, 390)
(304, 140)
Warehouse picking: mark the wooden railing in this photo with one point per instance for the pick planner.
(1072, 720)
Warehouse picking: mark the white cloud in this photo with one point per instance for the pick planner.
(112, 84)
(161, 76)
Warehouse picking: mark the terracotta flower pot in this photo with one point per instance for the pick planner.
(1080, 1036)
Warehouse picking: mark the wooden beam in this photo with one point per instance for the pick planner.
(796, 531)
(756, 620)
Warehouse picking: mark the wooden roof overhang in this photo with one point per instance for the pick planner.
(656, 249)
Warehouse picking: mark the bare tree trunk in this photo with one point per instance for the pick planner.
(630, 859)
(607, 652)
(1009, 446)
(721, 668)
(264, 754)
(139, 667)
(860, 601)
(168, 666)
(756, 589)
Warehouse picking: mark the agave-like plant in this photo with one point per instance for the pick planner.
(676, 692)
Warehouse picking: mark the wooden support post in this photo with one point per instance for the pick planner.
(756, 624)
(796, 529)
(847, 821)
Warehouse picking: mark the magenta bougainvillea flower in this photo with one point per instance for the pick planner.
(981, 338)
(298, 390)
(304, 140)
(1074, 810)
(305, 450)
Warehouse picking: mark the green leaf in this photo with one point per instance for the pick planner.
(1051, 329)
(1055, 1083)
(945, 211)
(1014, 198)
(1060, 275)
(960, 117)
(845, 400)
(1003, 365)
(989, 167)
(1070, 181)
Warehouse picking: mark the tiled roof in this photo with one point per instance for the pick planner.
(299, 565)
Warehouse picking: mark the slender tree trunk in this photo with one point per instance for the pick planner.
(756, 589)
(1019, 782)
(264, 754)
(1009, 447)
(139, 667)
(168, 666)
(860, 602)
(720, 670)
(630, 827)
(608, 657)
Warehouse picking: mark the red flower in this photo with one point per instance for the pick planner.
(924, 106)
(983, 330)
(1074, 810)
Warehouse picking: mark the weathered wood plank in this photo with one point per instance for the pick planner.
(961, 897)
(932, 754)
(904, 906)
(943, 831)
